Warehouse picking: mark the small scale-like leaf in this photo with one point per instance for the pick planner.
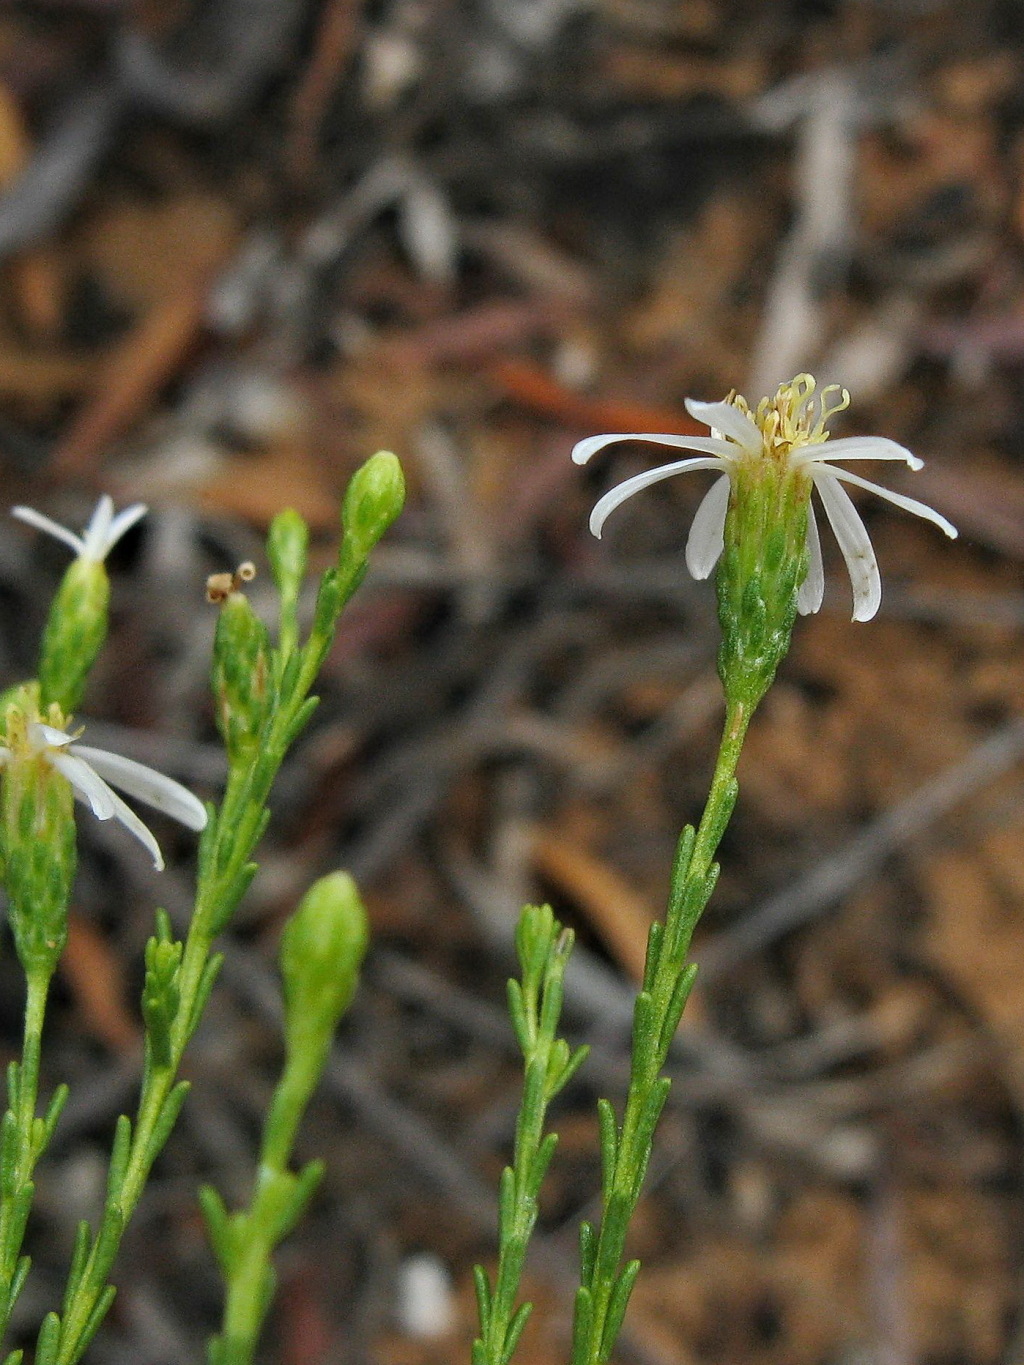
(300, 721)
(119, 1155)
(571, 1067)
(583, 1322)
(79, 1256)
(507, 1198)
(517, 1013)
(654, 938)
(9, 1144)
(48, 1340)
(617, 1305)
(95, 1321)
(168, 1118)
(674, 1013)
(303, 1189)
(541, 1162)
(18, 1279)
(218, 1229)
(515, 1331)
(206, 983)
(588, 1251)
(108, 1240)
(53, 1113)
(609, 1144)
(483, 1298)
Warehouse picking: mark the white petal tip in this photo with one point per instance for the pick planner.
(582, 450)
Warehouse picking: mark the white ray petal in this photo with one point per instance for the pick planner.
(707, 534)
(812, 589)
(95, 538)
(583, 450)
(127, 817)
(854, 542)
(145, 784)
(87, 784)
(618, 495)
(122, 523)
(857, 448)
(729, 420)
(31, 517)
(917, 509)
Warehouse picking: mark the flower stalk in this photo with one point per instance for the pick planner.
(322, 948)
(262, 694)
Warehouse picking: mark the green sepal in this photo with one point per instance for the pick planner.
(15, 1358)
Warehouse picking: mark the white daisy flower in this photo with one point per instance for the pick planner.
(99, 537)
(93, 773)
(788, 434)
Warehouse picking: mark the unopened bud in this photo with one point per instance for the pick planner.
(322, 949)
(287, 546)
(374, 498)
(242, 679)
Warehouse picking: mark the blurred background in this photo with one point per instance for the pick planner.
(245, 243)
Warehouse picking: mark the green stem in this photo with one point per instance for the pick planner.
(239, 824)
(666, 984)
(29, 1138)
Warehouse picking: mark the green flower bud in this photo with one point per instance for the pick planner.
(37, 826)
(242, 672)
(374, 498)
(287, 546)
(322, 948)
(75, 631)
